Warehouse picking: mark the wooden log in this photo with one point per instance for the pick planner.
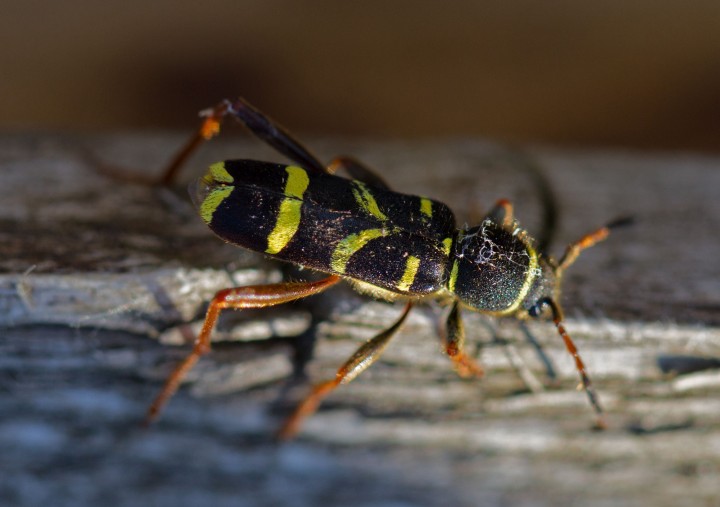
(99, 277)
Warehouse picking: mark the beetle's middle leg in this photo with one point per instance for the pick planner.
(363, 357)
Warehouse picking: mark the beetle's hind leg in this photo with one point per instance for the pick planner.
(209, 128)
(357, 171)
(362, 359)
(259, 124)
(254, 296)
(271, 132)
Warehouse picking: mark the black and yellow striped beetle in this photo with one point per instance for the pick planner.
(390, 245)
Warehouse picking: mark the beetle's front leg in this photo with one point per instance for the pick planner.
(502, 213)
(465, 365)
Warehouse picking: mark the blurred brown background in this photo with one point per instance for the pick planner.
(637, 73)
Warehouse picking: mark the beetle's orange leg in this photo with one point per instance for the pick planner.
(365, 356)
(557, 316)
(254, 296)
(259, 124)
(209, 128)
(502, 213)
(465, 365)
(573, 250)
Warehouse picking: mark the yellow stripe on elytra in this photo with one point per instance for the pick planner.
(453, 276)
(212, 201)
(530, 274)
(426, 207)
(217, 173)
(348, 246)
(297, 181)
(456, 266)
(411, 268)
(288, 218)
(447, 245)
(366, 200)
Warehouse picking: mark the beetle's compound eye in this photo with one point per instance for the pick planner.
(537, 309)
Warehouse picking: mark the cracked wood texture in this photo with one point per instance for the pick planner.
(101, 280)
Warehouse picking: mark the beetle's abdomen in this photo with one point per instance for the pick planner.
(390, 240)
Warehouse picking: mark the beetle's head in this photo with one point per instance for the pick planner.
(496, 269)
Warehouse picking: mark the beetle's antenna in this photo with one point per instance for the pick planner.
(532, 167)
(573, 250)
(557, 316)
(571, 254)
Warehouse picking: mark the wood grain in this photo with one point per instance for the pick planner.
(98, 278)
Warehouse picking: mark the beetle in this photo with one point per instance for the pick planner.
(390, 245)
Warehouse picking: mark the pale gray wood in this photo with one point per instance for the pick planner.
(97, 275)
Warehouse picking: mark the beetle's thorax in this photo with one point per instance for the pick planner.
(496, 269)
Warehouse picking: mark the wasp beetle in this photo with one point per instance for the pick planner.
(390, 245)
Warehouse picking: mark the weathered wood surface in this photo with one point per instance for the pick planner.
(98, 275)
